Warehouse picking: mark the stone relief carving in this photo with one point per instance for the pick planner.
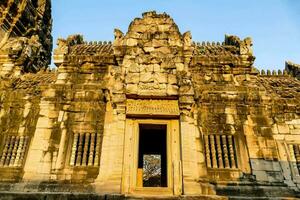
(187, 38)
(152, 107)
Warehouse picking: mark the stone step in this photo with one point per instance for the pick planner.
(261, 198)
(78, 196)
(257, 191)
(182, 197)
(74, 196)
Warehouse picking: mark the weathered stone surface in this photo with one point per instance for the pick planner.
(230, 130)
(293, 68)
(25, 35)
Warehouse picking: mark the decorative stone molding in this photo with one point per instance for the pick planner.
(152, 107)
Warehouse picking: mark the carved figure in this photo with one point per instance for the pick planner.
(187, 38)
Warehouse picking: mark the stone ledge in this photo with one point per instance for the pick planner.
(92, 196)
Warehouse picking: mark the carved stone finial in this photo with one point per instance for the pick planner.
(246, 46)
(118, 34)
(75, 39)
(187, 38)
(149, 14)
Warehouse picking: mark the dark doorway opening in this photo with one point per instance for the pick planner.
(152, 160)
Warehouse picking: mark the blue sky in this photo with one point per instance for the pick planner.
(274, 25)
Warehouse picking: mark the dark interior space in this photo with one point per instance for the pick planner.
(153, 145)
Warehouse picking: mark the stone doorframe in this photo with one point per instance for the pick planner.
(130, 164)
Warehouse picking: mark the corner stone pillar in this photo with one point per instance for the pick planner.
(39, 160)
(111, 164)
(193, 158)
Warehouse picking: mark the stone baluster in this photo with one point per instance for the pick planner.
(213, 151)
(97, 152)
(23, 151)
(293, 158)
(92, 150)
(297, 155)
(86, 149)
(14, 151)
(292, 153)
(18, 155)
(54, 159)
(60, 161)
(74, 148)
(80, 150)
(5, 150)
(10, 149)
(225, 151)
(207, 151)
(219, 150)
(231, 152)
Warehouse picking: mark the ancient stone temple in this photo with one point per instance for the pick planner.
(150, 115)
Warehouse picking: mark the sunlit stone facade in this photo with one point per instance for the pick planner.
(214, 125)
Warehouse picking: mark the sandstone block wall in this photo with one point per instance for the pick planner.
(25, 36)
(65, 130)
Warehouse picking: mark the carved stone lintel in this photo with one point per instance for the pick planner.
(152, 107)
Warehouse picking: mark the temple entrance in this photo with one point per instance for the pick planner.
(152, 158)
(152, 162)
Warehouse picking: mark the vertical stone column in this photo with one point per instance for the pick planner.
(97, 152)
(110, 175)
(286, 165)
(193, 157)
(62, 117)
(19, 150)
(213, 151)
(231, 152)
(79, 150)
(219, 150)
(92, 149)
(23, 151)
(74, 149)
(297, 156)
(5, 151)
(38, 163)
(225, 151)
(207, 151)
(85, 149)
(14, 152)
(9, 151)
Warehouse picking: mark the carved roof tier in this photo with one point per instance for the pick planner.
(212, 49)
(32, 82)
(91, 49)
(285, 87)
(158, 34)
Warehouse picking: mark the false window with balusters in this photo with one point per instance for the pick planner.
(85, 150)
(14, 151)
(220, 151)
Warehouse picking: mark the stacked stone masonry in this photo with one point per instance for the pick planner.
(232, 131)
